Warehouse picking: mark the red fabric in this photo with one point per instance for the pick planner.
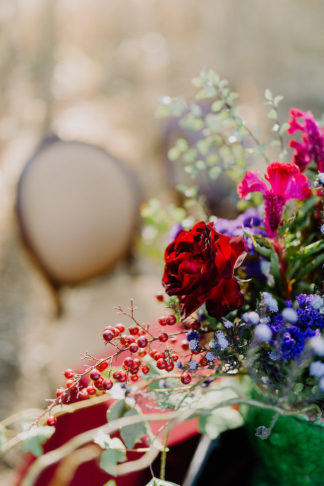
(89, 473)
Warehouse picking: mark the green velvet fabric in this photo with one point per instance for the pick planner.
(293, 455)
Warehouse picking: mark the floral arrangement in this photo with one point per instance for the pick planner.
(243, 298)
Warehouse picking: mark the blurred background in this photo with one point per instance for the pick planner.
(92, 71)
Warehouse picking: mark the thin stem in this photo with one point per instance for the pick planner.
(164, 455)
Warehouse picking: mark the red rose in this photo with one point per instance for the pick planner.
(199, 266)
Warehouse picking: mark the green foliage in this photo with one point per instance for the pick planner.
(160, 482)
(130, 434)
(109, 460)
(3, 439)
(35, 437)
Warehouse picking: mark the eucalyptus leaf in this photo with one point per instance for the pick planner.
(160, 482)
(35, 437)
(131, 434)
(214, 422)
(116, 411)
(109, 460)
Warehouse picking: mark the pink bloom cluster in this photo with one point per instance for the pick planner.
(311, 146)
(286, 182)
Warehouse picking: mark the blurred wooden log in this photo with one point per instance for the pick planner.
(77, 210)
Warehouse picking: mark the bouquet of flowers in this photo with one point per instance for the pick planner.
(244, 310)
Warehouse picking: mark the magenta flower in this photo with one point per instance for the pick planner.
(286, 183)
(311, 146)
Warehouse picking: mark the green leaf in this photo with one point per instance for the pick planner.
(277, 100)
(3, 439)
(160, 482)
(268, 94)
(274, 264)
(131, 434)
(116, 411)
(217, 105)
(272, 114)
(35, 437)
(111, 482)
(109, 460)
(284, 127)
(215, 422)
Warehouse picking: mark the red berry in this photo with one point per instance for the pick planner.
(128, 362)
(153, 353)
(107, 384)
(133, 330)
(95, 375)
(108, 335)
(196, 351)
(174, 357)
(122, 377)
(102, 366)
(163, 321)
(172, 339)
(99, 383)
(145, 369)
(133, 348)
(91, 390)
(171, 320)
(120, 327)
(186, 378)
(116, 375)
(161, 364)
(163, 337)
(51, 420)
(83, 394)
(142, 342)
(185, 344)
(142, 332)
(169, 366)
(68, 373)
(69, 383)
(141, 354)
(59, 391)
(203, 362)
(124, 340)
(137, 362)
(159, 297)
(134, 378)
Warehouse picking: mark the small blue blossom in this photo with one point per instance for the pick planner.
(322, 229)
(316, 369)
(210, 356)
(317, 345)
(270, 302)
(222, 341)
(212, 344)
(321, 384)
(317, 302)
(273, 355)
(179, 364)
(262, 332)
(290, 315)
(192, 335)
(193, 345)
(193, 365)
(228, 324)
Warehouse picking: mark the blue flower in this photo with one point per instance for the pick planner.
(222, 341)
(210, 356)
(192, 335)
(193, 345)
(316, 369)
(193, 365)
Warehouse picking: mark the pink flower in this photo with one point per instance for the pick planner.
(311, 146)
(286, 183)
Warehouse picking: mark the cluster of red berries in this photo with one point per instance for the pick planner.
(138, 342)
